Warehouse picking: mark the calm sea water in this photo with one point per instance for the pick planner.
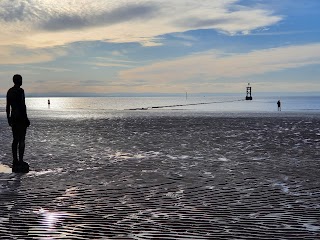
(90, 106)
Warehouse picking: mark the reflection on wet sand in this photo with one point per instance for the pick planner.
(178, 177)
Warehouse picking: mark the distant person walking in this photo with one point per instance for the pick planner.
(279, 105)
(18, 120)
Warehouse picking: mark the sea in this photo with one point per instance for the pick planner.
(82, 107)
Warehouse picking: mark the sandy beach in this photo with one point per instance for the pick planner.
(164, 176)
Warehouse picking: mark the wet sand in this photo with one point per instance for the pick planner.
(150, 176)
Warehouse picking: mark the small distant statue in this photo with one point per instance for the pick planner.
(279, 105)
(18, 120)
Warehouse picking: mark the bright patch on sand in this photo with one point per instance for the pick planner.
(5, 169)
(57, 170)
(49, 224)
(310, 227)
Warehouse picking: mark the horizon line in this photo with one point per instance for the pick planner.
(148, 94)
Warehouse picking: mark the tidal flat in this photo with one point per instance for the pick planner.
(164, 176)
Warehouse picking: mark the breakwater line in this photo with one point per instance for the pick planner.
(183, 105)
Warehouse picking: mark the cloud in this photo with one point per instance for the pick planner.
(48, 23)
(49, 69)
(13, 11)
(111, 62)
(128, 12)
(242, 21)
(10, 55)
(210, 67)
(283, 86)
(111, 65)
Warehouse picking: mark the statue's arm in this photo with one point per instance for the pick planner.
(8, 104)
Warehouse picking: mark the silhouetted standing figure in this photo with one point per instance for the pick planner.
(279, 105)
(18, 120)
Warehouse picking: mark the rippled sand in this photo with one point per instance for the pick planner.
(164, 177)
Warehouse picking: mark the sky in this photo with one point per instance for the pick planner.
(103, 47)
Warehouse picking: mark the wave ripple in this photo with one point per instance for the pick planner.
(165, 178)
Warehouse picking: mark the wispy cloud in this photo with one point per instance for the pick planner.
(262, 33)
(127, 12)
(106, 59)
(47, 23)
(50, 69)
(111, 62)
(240, 21)
(19, 55)
(210, 67)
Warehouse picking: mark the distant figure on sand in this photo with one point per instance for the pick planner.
(18, 120)
(279, 105)
(48, 101)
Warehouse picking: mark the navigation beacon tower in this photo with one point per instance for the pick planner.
(249, 96)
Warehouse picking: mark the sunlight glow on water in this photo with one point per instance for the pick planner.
(74, 107)
(218, 103)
